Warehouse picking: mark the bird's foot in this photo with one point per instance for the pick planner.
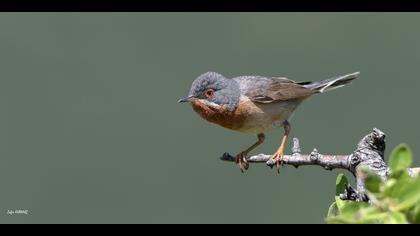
(278, 157)
(242, 161)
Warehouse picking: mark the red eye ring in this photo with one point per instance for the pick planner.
(209, 93)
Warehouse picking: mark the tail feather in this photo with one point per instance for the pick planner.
(333, 83)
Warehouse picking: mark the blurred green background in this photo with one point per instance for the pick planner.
(91, 131)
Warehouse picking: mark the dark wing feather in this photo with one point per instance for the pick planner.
(269, 90)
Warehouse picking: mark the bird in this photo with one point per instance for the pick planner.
(255, 104)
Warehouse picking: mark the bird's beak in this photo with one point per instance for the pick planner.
(186, 99)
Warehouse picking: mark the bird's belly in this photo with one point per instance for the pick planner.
(248, 117)
(260, 123)
(267, 116)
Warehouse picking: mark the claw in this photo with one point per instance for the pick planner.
(278, 157)
(242, 162)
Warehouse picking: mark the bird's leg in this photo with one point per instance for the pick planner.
(280, 151)
(241, 157)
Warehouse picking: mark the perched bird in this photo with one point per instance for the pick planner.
(254, 104)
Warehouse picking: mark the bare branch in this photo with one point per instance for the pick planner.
(369, 153)
(328, 162)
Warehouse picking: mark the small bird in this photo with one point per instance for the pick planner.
(254, 104)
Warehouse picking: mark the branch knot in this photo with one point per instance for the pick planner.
(315, 156)
(296, 146)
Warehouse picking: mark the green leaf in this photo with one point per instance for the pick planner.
(409, 195)
(340, 184)
(416, 214)
(340, 187)
(352, 207)
(402, 182)
(388, 187)
(358, 213)
(373, 183)
(413, 215)
(341, 220)
(373, 218)
(395, 218)
(394, 201)
(333, 210)
(368, 214)
(401, 158)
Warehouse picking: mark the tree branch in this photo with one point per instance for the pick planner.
(369, 153)
(297, 159)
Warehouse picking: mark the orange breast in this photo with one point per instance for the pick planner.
(234, 120)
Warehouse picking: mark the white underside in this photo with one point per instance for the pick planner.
(268, 116)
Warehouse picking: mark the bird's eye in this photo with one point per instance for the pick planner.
(209, 93)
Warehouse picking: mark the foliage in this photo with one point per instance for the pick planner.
(394, 201)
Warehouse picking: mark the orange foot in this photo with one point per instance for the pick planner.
(242, 162)
(278, 157)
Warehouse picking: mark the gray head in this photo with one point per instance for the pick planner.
(214, 89)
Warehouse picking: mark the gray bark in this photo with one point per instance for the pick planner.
(369, 153)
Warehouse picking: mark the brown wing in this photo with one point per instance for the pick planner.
(280, 90)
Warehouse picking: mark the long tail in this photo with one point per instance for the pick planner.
(333, 83)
